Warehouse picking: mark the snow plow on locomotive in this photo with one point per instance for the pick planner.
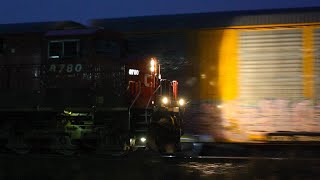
(86, 94)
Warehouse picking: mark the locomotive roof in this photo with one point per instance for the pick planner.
(38, 27)
(68, 32)
(210, 20)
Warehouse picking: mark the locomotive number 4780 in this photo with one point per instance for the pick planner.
(65, 68)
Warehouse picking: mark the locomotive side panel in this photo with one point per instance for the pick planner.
(80, 72)
(20, 61)
(21, 48)
(94, 85)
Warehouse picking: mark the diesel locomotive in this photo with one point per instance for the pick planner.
(69, 89)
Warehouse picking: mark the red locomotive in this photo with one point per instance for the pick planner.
(73, 88)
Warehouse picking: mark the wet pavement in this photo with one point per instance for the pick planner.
(141, 165)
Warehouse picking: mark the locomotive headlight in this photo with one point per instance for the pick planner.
(152, 69)
(152, 62)
(165, 100)
(152, 65)
(181, 102)
(143, 139)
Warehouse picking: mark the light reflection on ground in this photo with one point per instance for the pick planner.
(142, 166)
(207, 169)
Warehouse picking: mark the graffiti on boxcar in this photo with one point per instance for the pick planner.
(269, 116)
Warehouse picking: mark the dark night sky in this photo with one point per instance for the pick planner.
(16, 11)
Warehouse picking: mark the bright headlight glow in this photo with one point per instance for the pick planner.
(152, 65)
(143, 139)
(165, 100)
(152, 62)
(182, 102)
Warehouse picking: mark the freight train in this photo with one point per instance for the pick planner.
(72, 88)
(251, 76)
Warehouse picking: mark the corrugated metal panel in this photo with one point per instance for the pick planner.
(277, 18)
(316, 43)
(271, 65)
(317, 63)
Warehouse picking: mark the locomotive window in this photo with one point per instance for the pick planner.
(55, 49)
(64, 48)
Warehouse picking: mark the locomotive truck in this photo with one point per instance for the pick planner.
(70, 89)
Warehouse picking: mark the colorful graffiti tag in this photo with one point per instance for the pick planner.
(266, 116)
(238, 121)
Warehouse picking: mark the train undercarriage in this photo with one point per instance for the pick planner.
(107, 132)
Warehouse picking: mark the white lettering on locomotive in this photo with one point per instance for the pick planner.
(52, 68)
(61, 67)
(69, 68)
(78, 67)
(133, 72)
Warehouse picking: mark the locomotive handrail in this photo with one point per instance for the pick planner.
(135, 99)
(146, 109)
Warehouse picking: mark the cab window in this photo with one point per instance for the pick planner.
(63, 48)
